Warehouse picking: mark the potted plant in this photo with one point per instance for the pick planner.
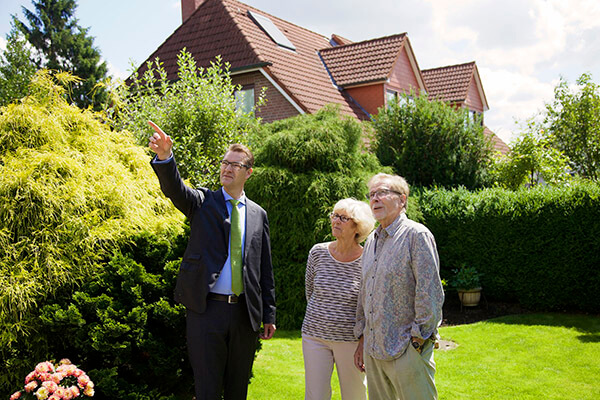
(467, 283)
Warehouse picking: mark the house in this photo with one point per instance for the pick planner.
(460, 86)
(302, 70)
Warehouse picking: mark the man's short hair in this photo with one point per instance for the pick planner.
(240, 148)
(395, 182)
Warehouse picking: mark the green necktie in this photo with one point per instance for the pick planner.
(235, 247)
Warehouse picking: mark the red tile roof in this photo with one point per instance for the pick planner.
(498, 143)
(450, 83)
(362, 62)
(224, 27)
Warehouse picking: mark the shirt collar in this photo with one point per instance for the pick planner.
(227, 197)
(392, 228)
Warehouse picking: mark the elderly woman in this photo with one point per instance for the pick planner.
(333, 275)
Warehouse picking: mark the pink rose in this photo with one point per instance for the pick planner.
(60, 392)
(65, 361)
(50, 385)
(83, 380)
(30, 386)
(45, 366)
(74, 390)
(15, 396)
(68, 395)
(89, 391)
(78, 372)
(54, 397)
(56, 378)
(30, 377)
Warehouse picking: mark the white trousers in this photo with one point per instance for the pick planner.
(319, 357)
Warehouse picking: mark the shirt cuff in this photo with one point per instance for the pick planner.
(155, 160)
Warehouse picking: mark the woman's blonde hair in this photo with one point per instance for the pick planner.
(360, 212)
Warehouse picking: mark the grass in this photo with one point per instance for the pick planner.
(522, 357)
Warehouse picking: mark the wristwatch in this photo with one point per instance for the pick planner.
(417, 346)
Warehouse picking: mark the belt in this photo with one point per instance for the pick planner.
(231, 299)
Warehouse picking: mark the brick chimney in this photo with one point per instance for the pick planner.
(188, 7)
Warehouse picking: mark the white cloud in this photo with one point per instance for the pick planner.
(513, 97)
(115, 72)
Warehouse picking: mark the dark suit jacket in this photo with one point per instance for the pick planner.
(208, 245)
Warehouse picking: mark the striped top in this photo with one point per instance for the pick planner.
(332, 288)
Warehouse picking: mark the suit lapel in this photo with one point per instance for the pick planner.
(251, 224)
(222, 209)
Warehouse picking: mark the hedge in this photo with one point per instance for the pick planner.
(304, 165)
(538, 246)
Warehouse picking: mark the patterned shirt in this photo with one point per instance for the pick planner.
(332, 288)
(401, 293)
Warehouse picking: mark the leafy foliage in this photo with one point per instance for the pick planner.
(466, 278)
(197, 111)
(71, 191)
(305, 164)
(532, 159)
(535, 246)
(63, 45)
(574, 121)
(16, 68)
(430, 143)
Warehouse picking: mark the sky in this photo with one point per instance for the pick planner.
(522, 47)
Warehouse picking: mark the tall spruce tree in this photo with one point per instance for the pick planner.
(62, 44)
(16, 68)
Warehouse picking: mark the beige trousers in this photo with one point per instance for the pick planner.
(409, 377)
(319, 357)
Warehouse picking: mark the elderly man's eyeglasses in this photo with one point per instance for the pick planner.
(342, 218)
(380, 193)
(236, 166)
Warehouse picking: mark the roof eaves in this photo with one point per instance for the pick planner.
(249, 68)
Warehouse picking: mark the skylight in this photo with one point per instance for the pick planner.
(270, 29)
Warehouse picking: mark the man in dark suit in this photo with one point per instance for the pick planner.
(226, 278)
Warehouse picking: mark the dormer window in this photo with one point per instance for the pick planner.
(271, 30)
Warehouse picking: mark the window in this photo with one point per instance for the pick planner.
(270, 29)
(390, 96)
(244, 100)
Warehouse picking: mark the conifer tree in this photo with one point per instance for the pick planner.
(16, 68)
(63, 45)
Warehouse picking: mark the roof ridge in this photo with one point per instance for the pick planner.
(449, 66)
(356, 44)
(264, 13)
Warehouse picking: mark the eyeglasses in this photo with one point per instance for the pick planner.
(342, 218)
(380, 193)
(235, 165)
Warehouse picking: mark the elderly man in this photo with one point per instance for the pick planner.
(400, 302)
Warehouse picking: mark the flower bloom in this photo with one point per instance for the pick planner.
(54, 397)
(15, 396)
(75, 391)
(50, 385)
(89, 391)
(60, 392)
(45, 366)
(83, 380)
(42, 393)
(30, 377)
(30, 386)
(65, 361)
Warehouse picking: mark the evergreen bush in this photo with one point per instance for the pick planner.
(304, 165)
(535, 246)
(72, 193)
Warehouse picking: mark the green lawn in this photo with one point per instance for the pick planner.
(533, 356)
